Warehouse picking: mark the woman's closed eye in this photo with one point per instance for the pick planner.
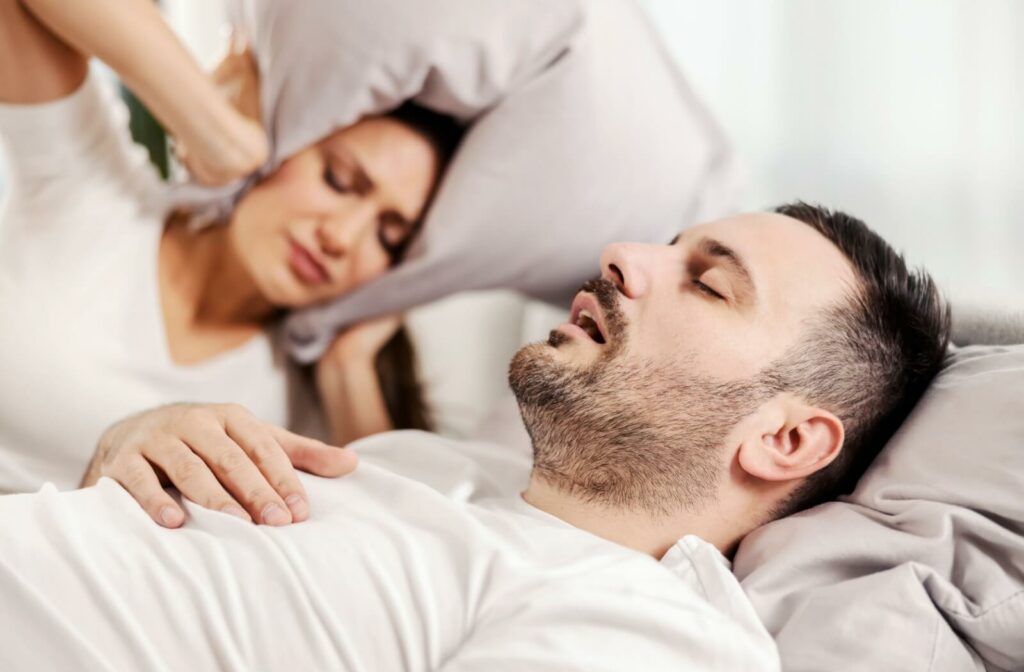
(335, 182)
(393, 231)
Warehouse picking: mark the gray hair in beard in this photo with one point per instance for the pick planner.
(641, 436)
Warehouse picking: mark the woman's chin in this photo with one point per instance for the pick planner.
(285, 292)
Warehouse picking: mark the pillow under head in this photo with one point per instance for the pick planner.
(582, 133)
(922, 567)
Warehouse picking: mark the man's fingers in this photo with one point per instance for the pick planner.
(136, 476)
(236, 470)
(193, 477)
(270, 458)
(315, 457)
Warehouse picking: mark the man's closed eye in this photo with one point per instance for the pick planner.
(706, 289)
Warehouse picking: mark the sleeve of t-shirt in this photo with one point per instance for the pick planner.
(603, 631)
(67, 154)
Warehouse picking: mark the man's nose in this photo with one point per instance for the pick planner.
(337, 234)
(629, 266)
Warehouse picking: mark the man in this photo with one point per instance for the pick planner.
(700, 389)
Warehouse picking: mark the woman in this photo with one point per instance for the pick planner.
(110, 304)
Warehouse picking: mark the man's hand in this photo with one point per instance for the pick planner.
(217, 455)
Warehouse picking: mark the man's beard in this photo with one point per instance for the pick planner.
(637, 435)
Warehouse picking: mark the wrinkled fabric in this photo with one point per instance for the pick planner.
(922, 567)
(387, 574)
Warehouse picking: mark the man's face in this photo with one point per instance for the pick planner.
(632, 401)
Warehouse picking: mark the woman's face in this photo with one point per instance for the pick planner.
(334, 215)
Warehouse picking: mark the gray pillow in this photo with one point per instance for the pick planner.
(922, 567)
(583, 133)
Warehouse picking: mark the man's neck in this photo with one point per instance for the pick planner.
(640, 530)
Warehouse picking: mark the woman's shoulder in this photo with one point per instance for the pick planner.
(73, 160)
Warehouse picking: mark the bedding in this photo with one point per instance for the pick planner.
(922, 567)
(583, 133)
(387, 574)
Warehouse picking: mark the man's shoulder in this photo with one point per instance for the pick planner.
(623, 612)
(460, 469)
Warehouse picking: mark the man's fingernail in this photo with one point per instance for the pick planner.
(169, 516)
(237, 511)
(275, 515)
(297, 504)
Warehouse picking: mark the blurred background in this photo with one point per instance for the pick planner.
(906, 113)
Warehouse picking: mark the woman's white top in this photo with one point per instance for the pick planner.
(82, 338)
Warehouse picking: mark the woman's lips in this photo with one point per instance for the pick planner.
(305, 266)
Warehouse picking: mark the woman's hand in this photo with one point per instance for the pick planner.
(361, 341)
(217, 455)
(346, 379)
(236, 144)
(236, 149)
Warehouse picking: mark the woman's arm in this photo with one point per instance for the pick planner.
(36, 66)
(132, 38)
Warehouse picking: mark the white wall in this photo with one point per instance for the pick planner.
(907, 113)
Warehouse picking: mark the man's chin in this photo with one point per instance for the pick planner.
(537, 375)
(530, 357)
(557, 338)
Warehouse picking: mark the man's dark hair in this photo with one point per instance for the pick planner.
(870, 359)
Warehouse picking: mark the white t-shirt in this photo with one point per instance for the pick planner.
(388, 574)
(82, 339)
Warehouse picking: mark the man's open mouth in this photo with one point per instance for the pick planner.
(586, 314)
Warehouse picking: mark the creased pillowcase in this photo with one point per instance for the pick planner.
(928, 550)
(583, 134)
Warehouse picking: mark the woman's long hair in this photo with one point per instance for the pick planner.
(396, 363)
(396, 367)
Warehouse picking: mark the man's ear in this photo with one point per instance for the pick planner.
(789, 439)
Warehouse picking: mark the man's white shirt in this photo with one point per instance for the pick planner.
(448, 571)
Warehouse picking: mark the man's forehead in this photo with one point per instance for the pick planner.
(751, 226)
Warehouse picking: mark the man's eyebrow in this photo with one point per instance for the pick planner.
(719, 250)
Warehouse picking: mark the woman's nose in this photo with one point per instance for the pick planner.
(629, 266)
(337, 235)
(331, 244)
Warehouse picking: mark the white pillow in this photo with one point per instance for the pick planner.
(584, 133)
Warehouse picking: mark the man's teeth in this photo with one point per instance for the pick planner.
(587, 322)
